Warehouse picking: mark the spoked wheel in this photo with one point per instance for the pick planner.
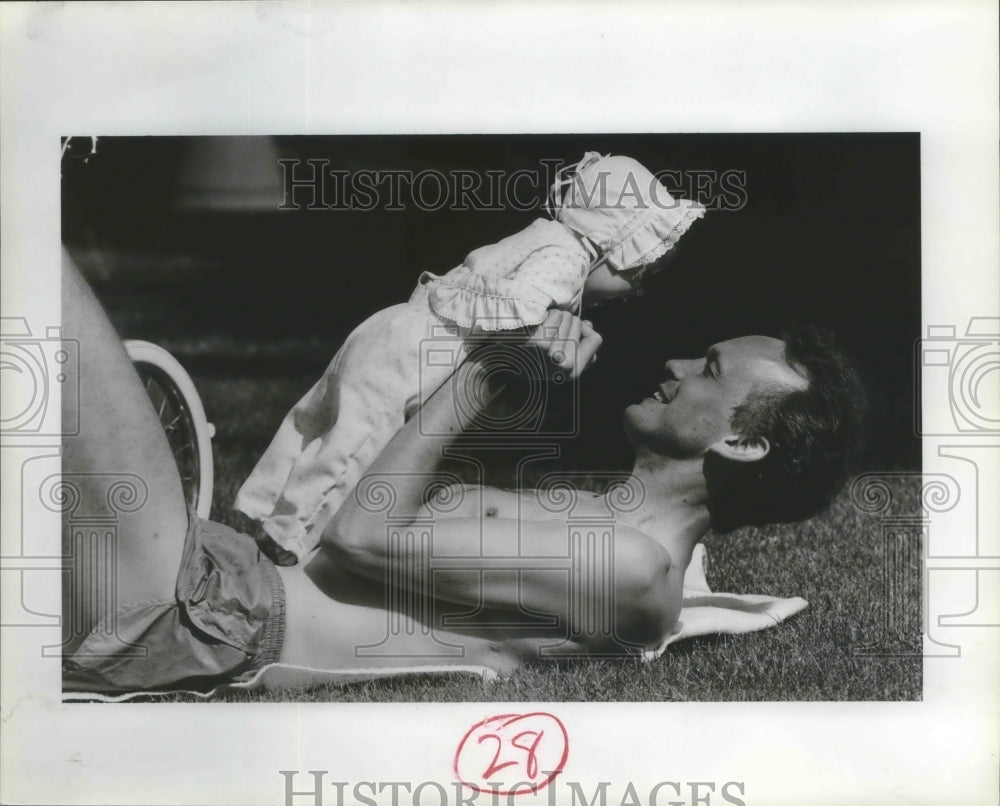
(177, 404)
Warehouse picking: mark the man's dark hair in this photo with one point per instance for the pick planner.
(814, 434)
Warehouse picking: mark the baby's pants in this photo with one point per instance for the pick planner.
(329, 439)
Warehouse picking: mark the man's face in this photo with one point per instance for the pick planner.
(690, 411)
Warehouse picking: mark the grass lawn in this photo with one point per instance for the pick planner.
(834, 561)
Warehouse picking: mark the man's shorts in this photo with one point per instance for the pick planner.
(226, 620)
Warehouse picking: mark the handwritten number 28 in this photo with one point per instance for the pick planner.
(531, 738)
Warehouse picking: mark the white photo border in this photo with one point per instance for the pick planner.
(481, 67)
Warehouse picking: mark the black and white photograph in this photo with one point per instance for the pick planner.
(319, 292)
(475, 403)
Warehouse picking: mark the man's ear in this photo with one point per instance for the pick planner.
(741, 449)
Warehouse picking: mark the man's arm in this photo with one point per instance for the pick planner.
(634, 582)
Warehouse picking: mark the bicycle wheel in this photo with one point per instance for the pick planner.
(177, 404)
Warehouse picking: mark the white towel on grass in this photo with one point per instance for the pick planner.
(703, 613)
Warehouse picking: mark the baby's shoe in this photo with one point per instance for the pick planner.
(274, 552)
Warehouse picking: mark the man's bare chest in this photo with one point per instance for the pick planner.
(556, 503)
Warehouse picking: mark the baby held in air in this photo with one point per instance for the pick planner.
(611, 220)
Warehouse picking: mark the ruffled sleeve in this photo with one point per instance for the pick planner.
(549, 277)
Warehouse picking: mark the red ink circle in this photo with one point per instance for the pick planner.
(520, 753)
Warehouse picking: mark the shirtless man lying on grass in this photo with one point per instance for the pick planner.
(757, 430)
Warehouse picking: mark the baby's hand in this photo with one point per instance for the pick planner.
(571, 342)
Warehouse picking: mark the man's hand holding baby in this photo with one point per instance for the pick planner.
(570, 342)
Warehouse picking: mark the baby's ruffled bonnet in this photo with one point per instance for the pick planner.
(621, 207)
